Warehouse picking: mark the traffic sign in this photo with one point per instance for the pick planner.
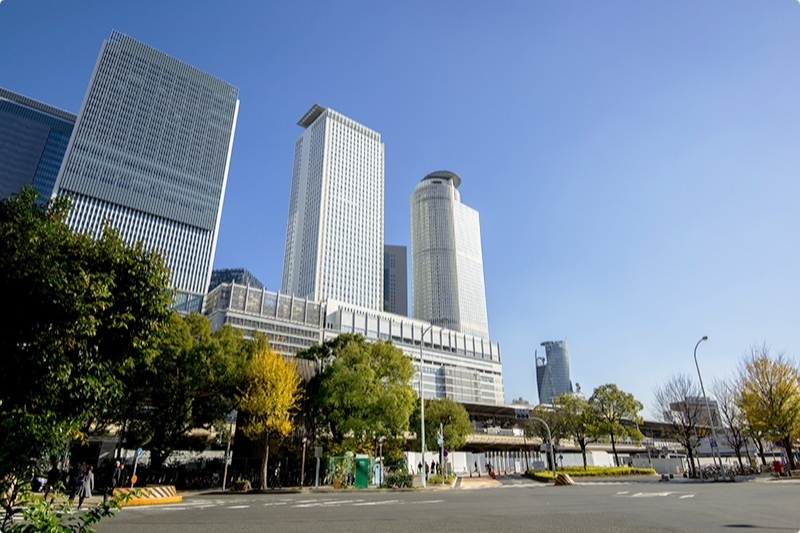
(138, 452)
(445, 453)
(713, 443)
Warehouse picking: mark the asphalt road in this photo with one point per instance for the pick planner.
(521, 506)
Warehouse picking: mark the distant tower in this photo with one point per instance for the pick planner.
(446, 257)
(395, 279)
(334, 232)
(150, 154)
(552, 374)
(33, 139)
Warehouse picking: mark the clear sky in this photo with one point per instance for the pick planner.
(634, 163)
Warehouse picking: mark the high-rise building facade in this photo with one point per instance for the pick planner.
(150, 153)
(446, 257)
(552, 374)
(334, 232)
(33, 139)
(395, 279)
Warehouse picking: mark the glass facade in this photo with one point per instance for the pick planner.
(33, 140)
(334, 232)
(150, 154)
(552, 375)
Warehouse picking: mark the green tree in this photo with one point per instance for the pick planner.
(769, 396)
(556, 421)
(189, 384)
(95, 308)
(364, 392)
(454, 419)
(268, 397)
(678, 403)
(611, 406)
(578, 419)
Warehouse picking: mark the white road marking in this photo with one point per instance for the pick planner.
(687, 496)
(651, 494)
(428, 501)
(274, 504)
(238, 507)
(386, 502)
(623, 492)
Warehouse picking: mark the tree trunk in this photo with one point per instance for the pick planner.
(690, 456)
(760, 447)
(787, 442)
(614, 448)
(583, 452)
(739, 457)
(264, 464)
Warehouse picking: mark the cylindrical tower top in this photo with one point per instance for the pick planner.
(444, 175)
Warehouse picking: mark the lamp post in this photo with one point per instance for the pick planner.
(230, 419)
(303, 464)
(550, 438)
(422, 398)
(715, 442)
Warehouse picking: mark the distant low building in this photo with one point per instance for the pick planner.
(242, 276)
(464, 368)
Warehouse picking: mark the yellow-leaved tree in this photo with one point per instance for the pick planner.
(769, 396)
(268, 395)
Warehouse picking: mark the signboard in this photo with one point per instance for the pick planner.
(713, 443)
(318, 452)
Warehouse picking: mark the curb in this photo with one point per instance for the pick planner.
(150, 495)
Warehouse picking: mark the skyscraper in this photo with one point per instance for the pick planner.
(150, 153)
(552, 375)
(446, 257)
(334, 232)
(395, 279)
(33, 139)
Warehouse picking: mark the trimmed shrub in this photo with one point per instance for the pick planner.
(591, 471)
(399, 479)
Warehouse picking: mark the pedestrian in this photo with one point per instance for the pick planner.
(85, 490)
(53, 476)
(433, 467)
(419, 468)
(477, 471)
(114, 481)
(76, 478)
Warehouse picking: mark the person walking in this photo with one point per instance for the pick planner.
(115, 479)
(85, 490)
(76, 478)
(53, 476)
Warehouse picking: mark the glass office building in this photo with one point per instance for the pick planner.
(150, 154)
(552, 374)
(33, 140)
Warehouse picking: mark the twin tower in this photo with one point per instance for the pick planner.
(334, 233)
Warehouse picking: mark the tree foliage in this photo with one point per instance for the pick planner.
(578, 419)
(268, 397)
(363, 391)
(611, 405)
(769, 396)
(190, 383)
(679, 403)
(93, 309)
(453, 417)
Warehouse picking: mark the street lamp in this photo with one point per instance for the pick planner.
(421, 396)
(550, 438)
(715, 442)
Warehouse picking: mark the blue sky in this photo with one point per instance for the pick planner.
(634, 163)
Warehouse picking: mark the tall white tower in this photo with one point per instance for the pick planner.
(446, 257)
(334, 234)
